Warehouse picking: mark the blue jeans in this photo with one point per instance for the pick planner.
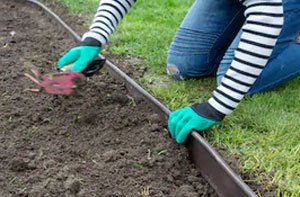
(208, 36)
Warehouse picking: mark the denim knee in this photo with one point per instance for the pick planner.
(173, 71)
(184, 67)
(190, 54)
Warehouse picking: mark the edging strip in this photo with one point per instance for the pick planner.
(211, 165)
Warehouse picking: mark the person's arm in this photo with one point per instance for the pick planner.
(109, 15)
(264, 21)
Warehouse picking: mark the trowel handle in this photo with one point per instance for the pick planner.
(67, 68)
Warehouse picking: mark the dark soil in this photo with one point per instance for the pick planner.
(98, 142)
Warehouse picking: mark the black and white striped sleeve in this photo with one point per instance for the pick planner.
(108, 16)
(264, 21)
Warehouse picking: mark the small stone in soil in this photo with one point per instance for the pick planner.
(72, 184)
(185, 191)
(155, 127)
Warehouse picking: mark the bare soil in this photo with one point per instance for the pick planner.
(98, 142)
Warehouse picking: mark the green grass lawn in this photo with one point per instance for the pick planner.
(264, 131)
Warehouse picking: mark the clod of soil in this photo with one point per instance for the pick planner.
(97, 142)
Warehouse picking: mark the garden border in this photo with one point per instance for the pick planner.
(211, 165)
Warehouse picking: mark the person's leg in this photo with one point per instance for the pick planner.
(281, 69)
(203, 37)
(283, 65)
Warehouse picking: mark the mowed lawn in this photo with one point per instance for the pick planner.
(264, 131)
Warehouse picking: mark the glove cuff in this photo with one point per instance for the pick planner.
(90, 42)
(207, 111)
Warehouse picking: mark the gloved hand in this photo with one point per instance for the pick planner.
(81, 55)
(183, 121)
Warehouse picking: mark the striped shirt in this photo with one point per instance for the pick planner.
(264, 21)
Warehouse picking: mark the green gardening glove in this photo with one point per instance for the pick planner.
(183, 121)
(82, 56)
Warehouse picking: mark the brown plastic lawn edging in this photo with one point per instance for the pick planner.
(207, 160)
